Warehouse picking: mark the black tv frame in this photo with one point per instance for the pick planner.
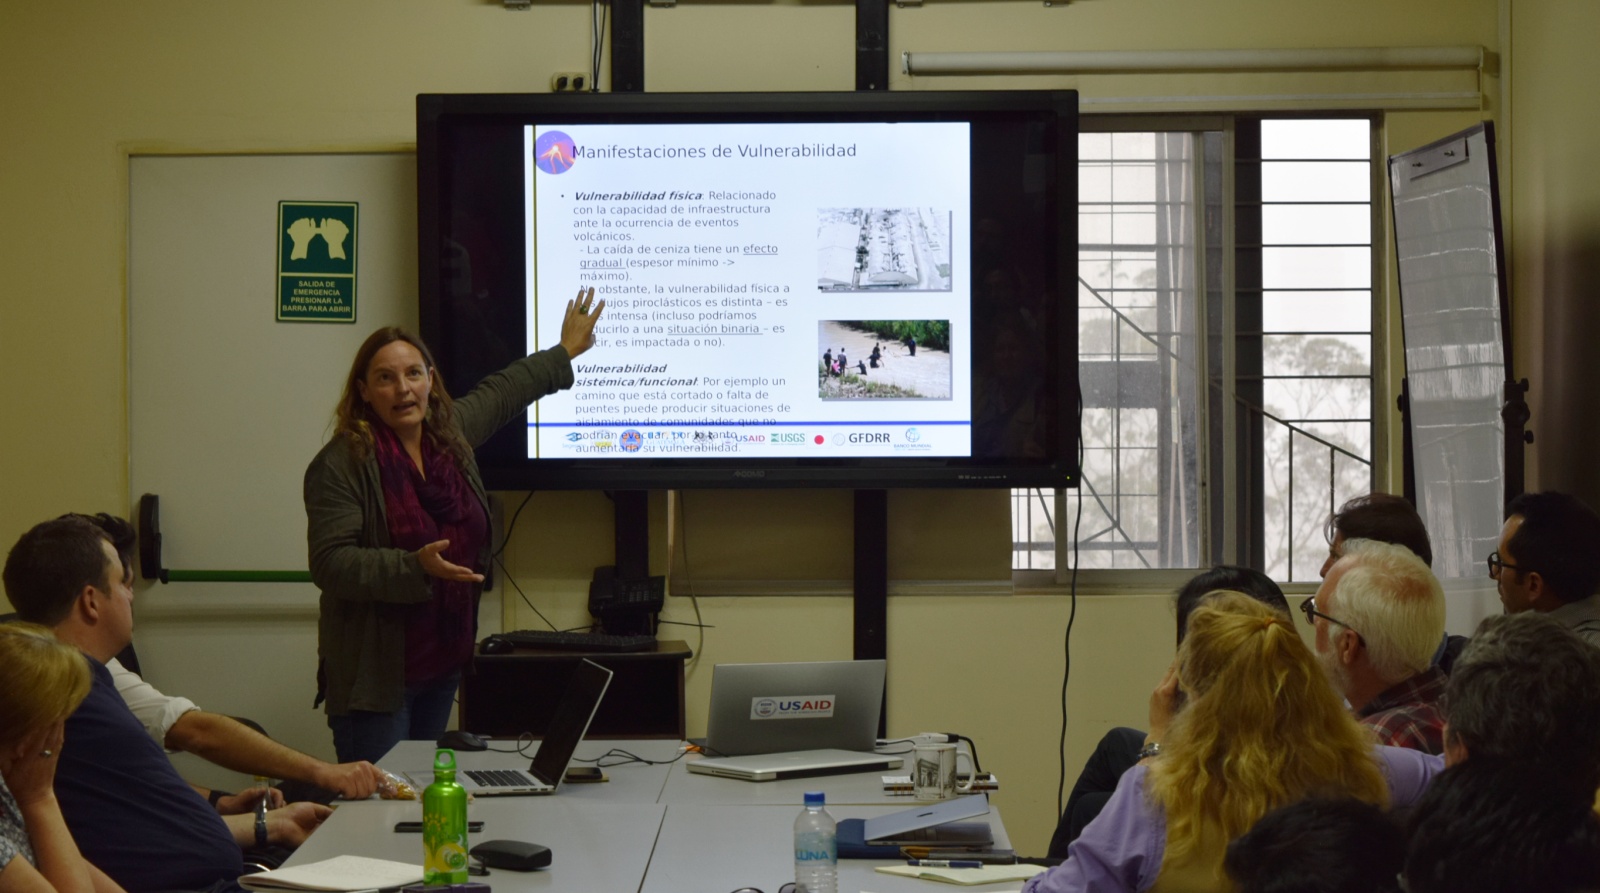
(437, 111)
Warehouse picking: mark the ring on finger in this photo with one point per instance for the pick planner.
(47, 753)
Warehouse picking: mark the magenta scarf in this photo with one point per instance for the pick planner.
(422, 509)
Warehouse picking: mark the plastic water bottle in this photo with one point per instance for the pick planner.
(444, 824)
(816, 848)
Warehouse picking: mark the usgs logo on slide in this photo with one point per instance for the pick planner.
(792, 707)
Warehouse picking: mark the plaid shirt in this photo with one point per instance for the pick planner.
(1408, 714)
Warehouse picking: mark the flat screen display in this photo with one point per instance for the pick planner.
(853, 290)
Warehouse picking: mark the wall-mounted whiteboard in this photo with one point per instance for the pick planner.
(228, 405)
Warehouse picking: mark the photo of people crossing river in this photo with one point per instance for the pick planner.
(900, 359)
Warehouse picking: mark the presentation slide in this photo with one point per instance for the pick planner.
(772, 290)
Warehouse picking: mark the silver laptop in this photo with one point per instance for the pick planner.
(793, 764)
(920, 824)
(567, 727)
(815, 705)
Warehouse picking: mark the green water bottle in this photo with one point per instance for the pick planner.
(444, 824)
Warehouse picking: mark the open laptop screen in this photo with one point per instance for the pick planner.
(570, 722)
(813, 705)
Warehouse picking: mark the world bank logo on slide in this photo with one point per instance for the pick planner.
(632, 440)
(553, 152)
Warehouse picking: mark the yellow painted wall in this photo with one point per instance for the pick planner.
(84, 84)
(1554, 212)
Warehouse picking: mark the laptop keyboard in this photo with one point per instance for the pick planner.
(499, 778)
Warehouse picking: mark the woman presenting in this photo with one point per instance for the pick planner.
(45, 683)
(398, 530)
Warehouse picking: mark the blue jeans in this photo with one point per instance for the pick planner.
(423, 715)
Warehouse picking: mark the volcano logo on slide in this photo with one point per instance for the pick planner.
(554, 152)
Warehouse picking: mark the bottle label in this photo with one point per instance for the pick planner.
(444, 835)
(815, 848)
(445, 862)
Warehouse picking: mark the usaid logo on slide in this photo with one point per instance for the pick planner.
(792, 707)
(554, 152)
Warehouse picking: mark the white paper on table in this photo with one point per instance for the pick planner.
(967, 877)
(340, 873)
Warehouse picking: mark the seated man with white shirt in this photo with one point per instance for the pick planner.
(178, 725)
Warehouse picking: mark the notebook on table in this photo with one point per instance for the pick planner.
(567, 728)
(813, 705)
(793, 764)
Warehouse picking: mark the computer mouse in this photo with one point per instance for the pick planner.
(494, 645)
(455, 739)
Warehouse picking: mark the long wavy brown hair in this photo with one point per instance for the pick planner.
(353, 417)
(1262, 728)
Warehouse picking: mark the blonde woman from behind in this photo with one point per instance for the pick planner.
(44, 683)
(1262, 728)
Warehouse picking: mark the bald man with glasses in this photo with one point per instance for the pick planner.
(1379, 615)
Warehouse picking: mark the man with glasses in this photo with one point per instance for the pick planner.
(1549, 561)
(1379, 615)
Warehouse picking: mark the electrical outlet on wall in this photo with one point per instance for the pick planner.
(569, 82)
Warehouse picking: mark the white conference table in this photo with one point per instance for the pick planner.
(716, 848)
(628, 783)
(649, 828)
(593, 845)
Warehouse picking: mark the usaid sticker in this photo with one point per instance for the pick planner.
(792, 707)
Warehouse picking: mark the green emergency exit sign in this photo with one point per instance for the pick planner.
(317, 261)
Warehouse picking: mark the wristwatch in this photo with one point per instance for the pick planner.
(1150, 750)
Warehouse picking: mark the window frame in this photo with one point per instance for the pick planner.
(1221, 498)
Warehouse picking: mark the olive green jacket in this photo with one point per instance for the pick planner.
(366, 584)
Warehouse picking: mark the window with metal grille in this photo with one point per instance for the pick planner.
(1225, 306)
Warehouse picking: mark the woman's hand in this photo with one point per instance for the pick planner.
(32, 775)
(434, 565)
(577, 328)
(1163, 704)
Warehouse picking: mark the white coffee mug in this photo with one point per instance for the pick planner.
(933, 773)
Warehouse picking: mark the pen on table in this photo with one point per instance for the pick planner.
(945, 863)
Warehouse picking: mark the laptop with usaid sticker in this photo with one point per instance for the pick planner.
(781, 707)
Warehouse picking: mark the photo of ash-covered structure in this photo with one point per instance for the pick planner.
(883, 249)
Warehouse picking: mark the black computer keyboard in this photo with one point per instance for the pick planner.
(554, 640)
